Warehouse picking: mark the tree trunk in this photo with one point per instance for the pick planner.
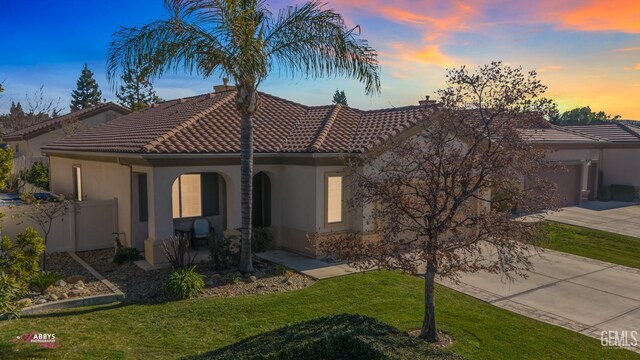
(428, 331)
(247, 99)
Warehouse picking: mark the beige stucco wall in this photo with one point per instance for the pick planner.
(100, 181)
(621, 166)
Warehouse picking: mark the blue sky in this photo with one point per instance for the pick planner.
(588, 52)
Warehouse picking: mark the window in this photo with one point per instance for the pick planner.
(334, 199)
(196, 195)
(143, 206)
(187, 201)
(77, 183)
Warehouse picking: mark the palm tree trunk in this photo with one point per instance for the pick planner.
(247, 104)
(428, 331)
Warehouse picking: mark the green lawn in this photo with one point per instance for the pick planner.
(188, 328)
(595, 244)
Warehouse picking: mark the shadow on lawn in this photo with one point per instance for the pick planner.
(336, 337)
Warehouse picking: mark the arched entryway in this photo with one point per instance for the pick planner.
(261, 216)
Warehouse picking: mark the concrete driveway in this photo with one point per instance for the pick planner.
(584, 295)
(612, 216)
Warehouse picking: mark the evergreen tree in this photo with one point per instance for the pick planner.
(136, 91)
(15, 119)
(87, 93)
(339, 97)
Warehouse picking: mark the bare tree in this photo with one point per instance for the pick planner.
(440, 198)
(43, 213)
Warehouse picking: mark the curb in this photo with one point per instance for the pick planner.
(70, 303)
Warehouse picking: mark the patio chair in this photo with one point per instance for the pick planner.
(201, 232)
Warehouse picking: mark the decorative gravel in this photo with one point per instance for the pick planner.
(149, 286)
(66, 266)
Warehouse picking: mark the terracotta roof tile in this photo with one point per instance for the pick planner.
(211, 124)
(51, 124)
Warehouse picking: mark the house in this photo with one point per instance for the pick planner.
(593, 155)
(27, 142)
(178, 161)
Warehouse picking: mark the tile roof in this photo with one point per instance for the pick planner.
(558, 134)
(51, 124)
(211, 124)
(614, 132)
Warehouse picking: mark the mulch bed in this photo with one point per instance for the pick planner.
(149, 286)
(66, 266)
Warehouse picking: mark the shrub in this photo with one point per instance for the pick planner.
(232, 278)
(622, 193)
(38, 175)
(10, 292)
(604, 194)
(176, 250)
(126, 254)
(6, 165)
(222, 252)
(185, 283)
(21, 259)
(44, 279)
(261, 239)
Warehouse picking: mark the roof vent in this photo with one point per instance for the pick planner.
(180, 101)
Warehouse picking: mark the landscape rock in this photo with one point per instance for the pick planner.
(25, 302)
(53, 297)
(79, 293)
(41, 301)
(253, 279)
(64, 296)
(246, 275)
(60, 283)
(79, 285)
(289, 282)
(74, 279)
(216, 277)
(238, 273)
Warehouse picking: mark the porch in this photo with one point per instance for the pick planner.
(168, 201)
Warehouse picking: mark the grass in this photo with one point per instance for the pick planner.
(594, 244)
(198, 326)
(333, 337)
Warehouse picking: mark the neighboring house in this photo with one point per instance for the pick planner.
(179, 161)
(27, 142)
(593, 155)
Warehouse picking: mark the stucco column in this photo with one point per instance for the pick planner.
(160, 215)
(584, 180)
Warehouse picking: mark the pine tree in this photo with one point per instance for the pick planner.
(339, 97)
(136, 91)
(87, 93)
(15, 119)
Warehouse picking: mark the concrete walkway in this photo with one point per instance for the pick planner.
(579, 294)
(613, 216)
(313, 268)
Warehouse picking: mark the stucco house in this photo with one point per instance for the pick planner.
(27, 142)
(593, 155)
(178, 161)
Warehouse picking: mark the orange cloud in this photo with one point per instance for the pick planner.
(429, 54)
(628, 49)
(636, 66)
(603, 15)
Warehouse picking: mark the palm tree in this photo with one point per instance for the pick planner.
(243, 40)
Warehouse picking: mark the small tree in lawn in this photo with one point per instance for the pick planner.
(87, 92)
(428, 193)
(44, 213)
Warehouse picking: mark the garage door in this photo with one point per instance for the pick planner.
(568, 183)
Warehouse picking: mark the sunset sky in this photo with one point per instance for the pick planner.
(587, 52)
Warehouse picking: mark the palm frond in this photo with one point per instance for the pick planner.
(314, 42)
